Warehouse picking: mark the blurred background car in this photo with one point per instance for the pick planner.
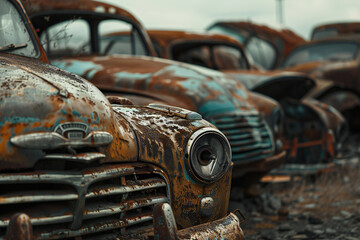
(313, 131)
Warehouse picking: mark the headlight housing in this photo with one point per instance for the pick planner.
(208, 155)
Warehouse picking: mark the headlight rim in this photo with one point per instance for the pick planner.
(192, 142)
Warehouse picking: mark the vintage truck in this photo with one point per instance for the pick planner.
(77, 38)
(313, 131)
(75, 164)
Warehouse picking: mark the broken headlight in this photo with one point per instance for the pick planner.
(208, 155)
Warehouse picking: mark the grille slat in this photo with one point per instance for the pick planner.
(106, 209)
(50, 199)
(249, 136)
(39, 196)
(113, 189)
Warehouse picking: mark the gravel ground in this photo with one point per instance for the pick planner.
(325, 207)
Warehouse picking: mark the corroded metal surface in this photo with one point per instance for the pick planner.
(82, 187)
(19, 228)
(165, 227)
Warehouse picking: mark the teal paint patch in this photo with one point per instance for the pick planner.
(181, 71)
(241, 92)
(17, 119)
(197, 123)
(97, 120)
(76, 113)
(187, 176)
(79, 67)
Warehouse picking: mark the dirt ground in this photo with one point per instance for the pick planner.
(323, 207)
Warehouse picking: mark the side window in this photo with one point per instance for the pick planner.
(68, 38)
(200, 56)
(262, 52)
(118, 37)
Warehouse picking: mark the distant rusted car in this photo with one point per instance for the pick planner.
(335, 29)
(335, 59)
(265, 45)
(74, 164)
(113, 67)
(313, 131)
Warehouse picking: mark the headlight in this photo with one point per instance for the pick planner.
(208, 155)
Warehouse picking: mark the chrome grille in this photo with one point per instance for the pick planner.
(68, 204)
(249, 136)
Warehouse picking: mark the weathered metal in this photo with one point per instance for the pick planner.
(283, 41)
(94, 169)
(335, 29)
(144, 80)
(344, 94)
(165, 227)
(306, 145)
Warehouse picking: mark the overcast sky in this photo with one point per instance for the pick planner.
(299, 15)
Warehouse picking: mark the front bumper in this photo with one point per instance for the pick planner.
(165, 227)
(20, 227)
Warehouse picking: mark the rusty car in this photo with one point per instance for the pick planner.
(336, 59)
(266, 46)
(121, 67)
(313, 131)
(75, 164)
(335, 29)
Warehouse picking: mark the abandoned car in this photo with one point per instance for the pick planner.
(313, 131)
(93, 54)
(76, 164)
(267, 46)
(335, 29)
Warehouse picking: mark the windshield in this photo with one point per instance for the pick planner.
(261, 51)
(324, 33)
(220, 57)
(334, 51)
(74, 37)
(228, 32)
(14, 35)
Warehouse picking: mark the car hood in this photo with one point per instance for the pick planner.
(321, 69)
(199, 89)
(37, 97)
(275, 85)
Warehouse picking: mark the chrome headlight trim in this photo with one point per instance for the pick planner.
(205, 160)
